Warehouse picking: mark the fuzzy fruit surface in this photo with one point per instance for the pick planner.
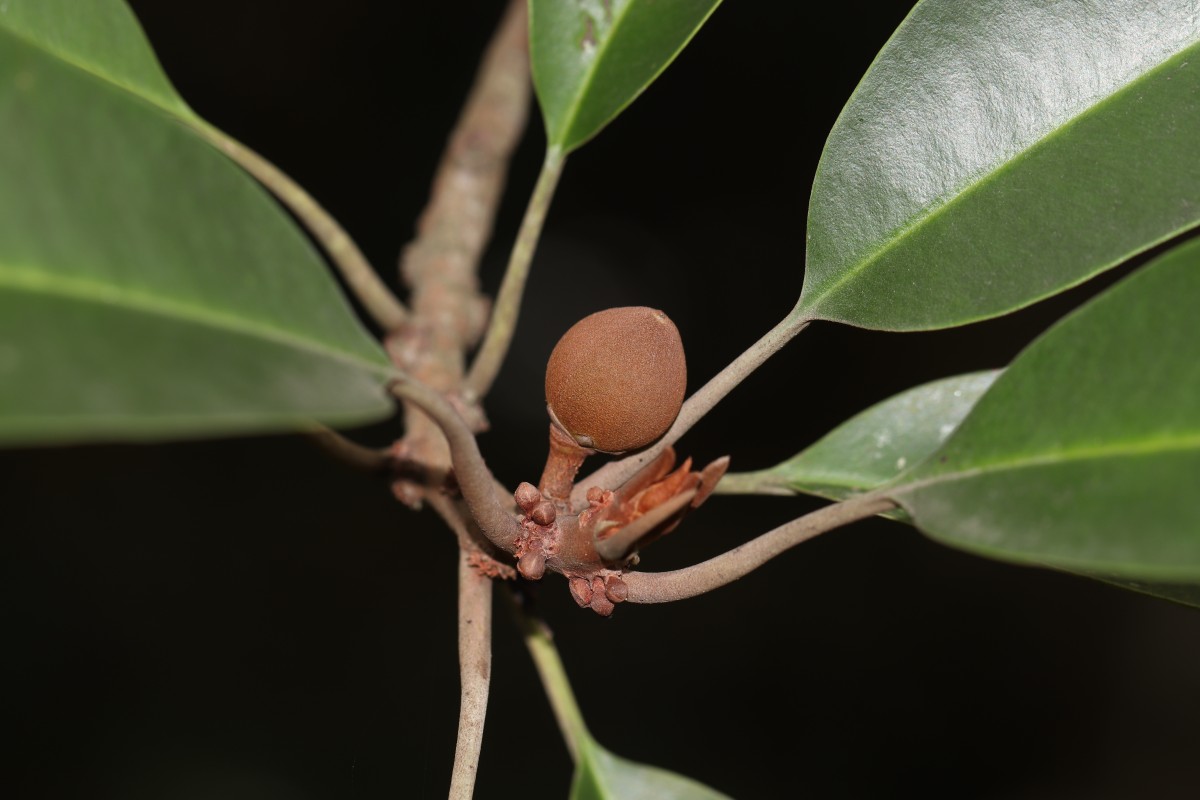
(617, 378)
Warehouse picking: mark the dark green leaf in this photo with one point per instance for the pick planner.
(997, 153)
(873, 447)
(148, 287)
(1085, 453)
(601, 775)
(592, 58)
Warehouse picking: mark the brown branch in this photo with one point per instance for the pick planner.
(666, 587)
(475, 480)
(485, 557)
(497, 522)
(358, 273)
(440, 265)
(475, 673)
(447, 509)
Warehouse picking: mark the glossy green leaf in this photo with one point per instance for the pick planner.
(592, 58)
(874, 446)
(997, 153)
(148, 287)
(600, 775)
(1085, 453)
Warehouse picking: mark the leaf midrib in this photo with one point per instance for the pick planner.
(90, 291)
(900, 235)
(589, 76)
(1117, 450)
(83, 290)
(828, 480)
(182, 112)
(598, 775)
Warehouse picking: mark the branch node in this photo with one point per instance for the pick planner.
(540, 535)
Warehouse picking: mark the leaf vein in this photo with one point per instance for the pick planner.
(35, 282)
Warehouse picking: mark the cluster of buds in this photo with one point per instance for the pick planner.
(601, 593)
(540, 535)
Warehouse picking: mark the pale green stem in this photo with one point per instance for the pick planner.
(763, 481)
(503, 322)
(554, 679)
(360, 276)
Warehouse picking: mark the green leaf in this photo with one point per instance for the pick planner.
(876, 445)
(997, 153)
(101, 37)
(592, 58)
(149, 287)
(871, 448)
(600, 775)
(1085, 453)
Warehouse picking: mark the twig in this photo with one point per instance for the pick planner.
(360, 276)
(503, 324)
(447, 509)
(474, 478)
(441, 263)
(475, 673)
(550, 669)
(616, 473)
(484, 556)
(666, 587)
(353, 454)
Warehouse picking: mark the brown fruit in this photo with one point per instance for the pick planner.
(616, 379)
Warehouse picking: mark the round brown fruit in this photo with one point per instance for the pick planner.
(616, 379)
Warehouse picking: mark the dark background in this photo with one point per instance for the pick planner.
(245, 619)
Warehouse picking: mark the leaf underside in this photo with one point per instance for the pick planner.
(876, 445)
(601, 775)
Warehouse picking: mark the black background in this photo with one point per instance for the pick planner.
(245, 619)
